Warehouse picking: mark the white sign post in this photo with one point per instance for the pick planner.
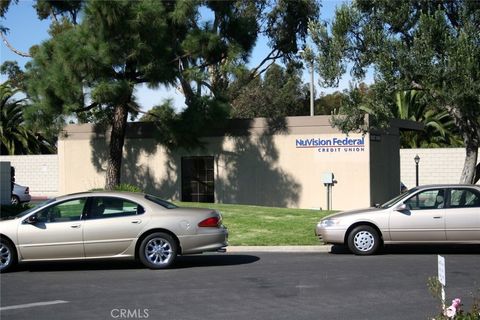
(441, 277)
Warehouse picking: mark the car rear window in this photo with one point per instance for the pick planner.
(163, 203)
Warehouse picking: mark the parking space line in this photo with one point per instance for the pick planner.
(31, 305)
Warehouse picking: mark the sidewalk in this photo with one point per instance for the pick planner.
(324, 248)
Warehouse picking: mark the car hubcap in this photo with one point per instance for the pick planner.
(364, 241)
(158, 251)
(5, 256)
(14, 200)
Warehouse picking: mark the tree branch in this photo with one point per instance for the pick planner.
(263, 70)
(267, 58)
(209, 87)
(135, 107)
(54, 16)
(9, 46)
(87, 108)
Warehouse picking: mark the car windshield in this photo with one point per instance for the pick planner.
(390, 203)
(163, 203)
(41, 204)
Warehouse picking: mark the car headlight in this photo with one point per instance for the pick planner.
(329, 222)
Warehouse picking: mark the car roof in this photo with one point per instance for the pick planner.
(428, 186)
(130, 195)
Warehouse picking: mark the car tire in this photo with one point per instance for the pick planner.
(15, 200)
(364, 240)
(8, 256)
(158, 251)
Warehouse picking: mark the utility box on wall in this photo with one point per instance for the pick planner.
(328, 178)
(5, 183)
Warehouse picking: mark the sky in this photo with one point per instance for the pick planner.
(25, 30)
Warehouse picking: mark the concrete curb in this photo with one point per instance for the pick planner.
(325, 248)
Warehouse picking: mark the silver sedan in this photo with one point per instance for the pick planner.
(427, 214)
(20, 194)
(98, 225)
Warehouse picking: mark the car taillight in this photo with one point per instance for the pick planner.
(27, 190)
(212, 222)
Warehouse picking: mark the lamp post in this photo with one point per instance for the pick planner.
(417, 160)
(312, 112)
(307, 55)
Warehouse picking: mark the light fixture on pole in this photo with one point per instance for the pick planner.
(417, 160)
(307, 55)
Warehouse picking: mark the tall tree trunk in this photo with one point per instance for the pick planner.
(470, 165)
(470, 129)
(477, 174)
(472, 142)
(117, 139)
(187, 90)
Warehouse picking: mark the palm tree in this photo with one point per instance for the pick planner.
(440, 129)
(15, 137)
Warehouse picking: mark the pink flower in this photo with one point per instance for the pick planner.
(450, 312)
(456, 303)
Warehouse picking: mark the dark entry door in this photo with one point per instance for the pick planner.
(198, 179)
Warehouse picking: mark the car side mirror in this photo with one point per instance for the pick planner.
(401, 207)
(32, 219)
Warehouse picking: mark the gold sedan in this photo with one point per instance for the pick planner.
(99, 225)
(427, 214)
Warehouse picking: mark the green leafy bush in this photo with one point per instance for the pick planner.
(128, 187)
(122, 187)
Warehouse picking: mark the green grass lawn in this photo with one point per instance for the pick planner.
(253, 225)
(260, 226)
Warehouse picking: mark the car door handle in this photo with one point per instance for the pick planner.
(137, 221)
(437, 217)
(75, 226)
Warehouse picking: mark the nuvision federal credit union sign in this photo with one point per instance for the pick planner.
(331, 145)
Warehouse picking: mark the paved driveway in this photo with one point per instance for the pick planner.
(243, 286)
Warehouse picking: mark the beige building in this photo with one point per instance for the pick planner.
(260, 162)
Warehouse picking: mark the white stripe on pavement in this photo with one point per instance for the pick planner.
(31, 305)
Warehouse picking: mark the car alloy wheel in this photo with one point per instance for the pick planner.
(158, 251)
(7, 256)
(363, 240)
(15, 200)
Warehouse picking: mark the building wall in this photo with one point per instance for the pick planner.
(260, 164)
(39, 172)
(435, 166)
(272, 170)
(269, 173)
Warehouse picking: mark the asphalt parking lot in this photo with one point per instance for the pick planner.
(248, 285)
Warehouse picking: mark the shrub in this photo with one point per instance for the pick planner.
(128, 187)
(122, 187)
